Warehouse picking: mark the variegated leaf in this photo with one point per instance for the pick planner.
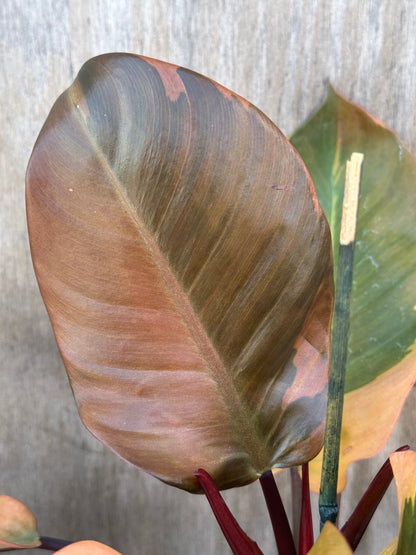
(381, 366)
(186, 266)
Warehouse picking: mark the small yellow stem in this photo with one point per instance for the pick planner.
(351, 194)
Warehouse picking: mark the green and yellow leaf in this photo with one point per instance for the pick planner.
(381, 367)
(17, 525)
(186, 266)
(390, 549)
(404, 470)
(330, 542)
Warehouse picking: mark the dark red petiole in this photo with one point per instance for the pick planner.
(306, 524)
(53, 544)
(280, 523)
(353, 530)
(237, 539)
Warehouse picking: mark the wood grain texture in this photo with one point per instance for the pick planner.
(279, 55)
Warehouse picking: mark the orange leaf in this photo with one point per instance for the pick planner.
(88, 547)
(17, 525)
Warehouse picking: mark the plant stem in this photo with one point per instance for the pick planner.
(353, 530)
(53, 544)
(237, 539)
(306, 524)
(296, 490)
(280, 523)
(328, 507)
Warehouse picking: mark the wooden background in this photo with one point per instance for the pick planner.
(277, 53)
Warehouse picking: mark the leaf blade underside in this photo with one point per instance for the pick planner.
(186, 267)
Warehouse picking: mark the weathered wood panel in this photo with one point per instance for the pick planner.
(280, 55)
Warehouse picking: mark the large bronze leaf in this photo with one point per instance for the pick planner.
(185, 263)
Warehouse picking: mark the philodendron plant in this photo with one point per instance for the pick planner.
(186, 261)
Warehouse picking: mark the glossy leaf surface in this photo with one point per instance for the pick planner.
(186, 266)
(17, 525)
(88, 547)
(381, 367)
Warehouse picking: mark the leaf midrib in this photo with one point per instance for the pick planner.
(238, 412)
